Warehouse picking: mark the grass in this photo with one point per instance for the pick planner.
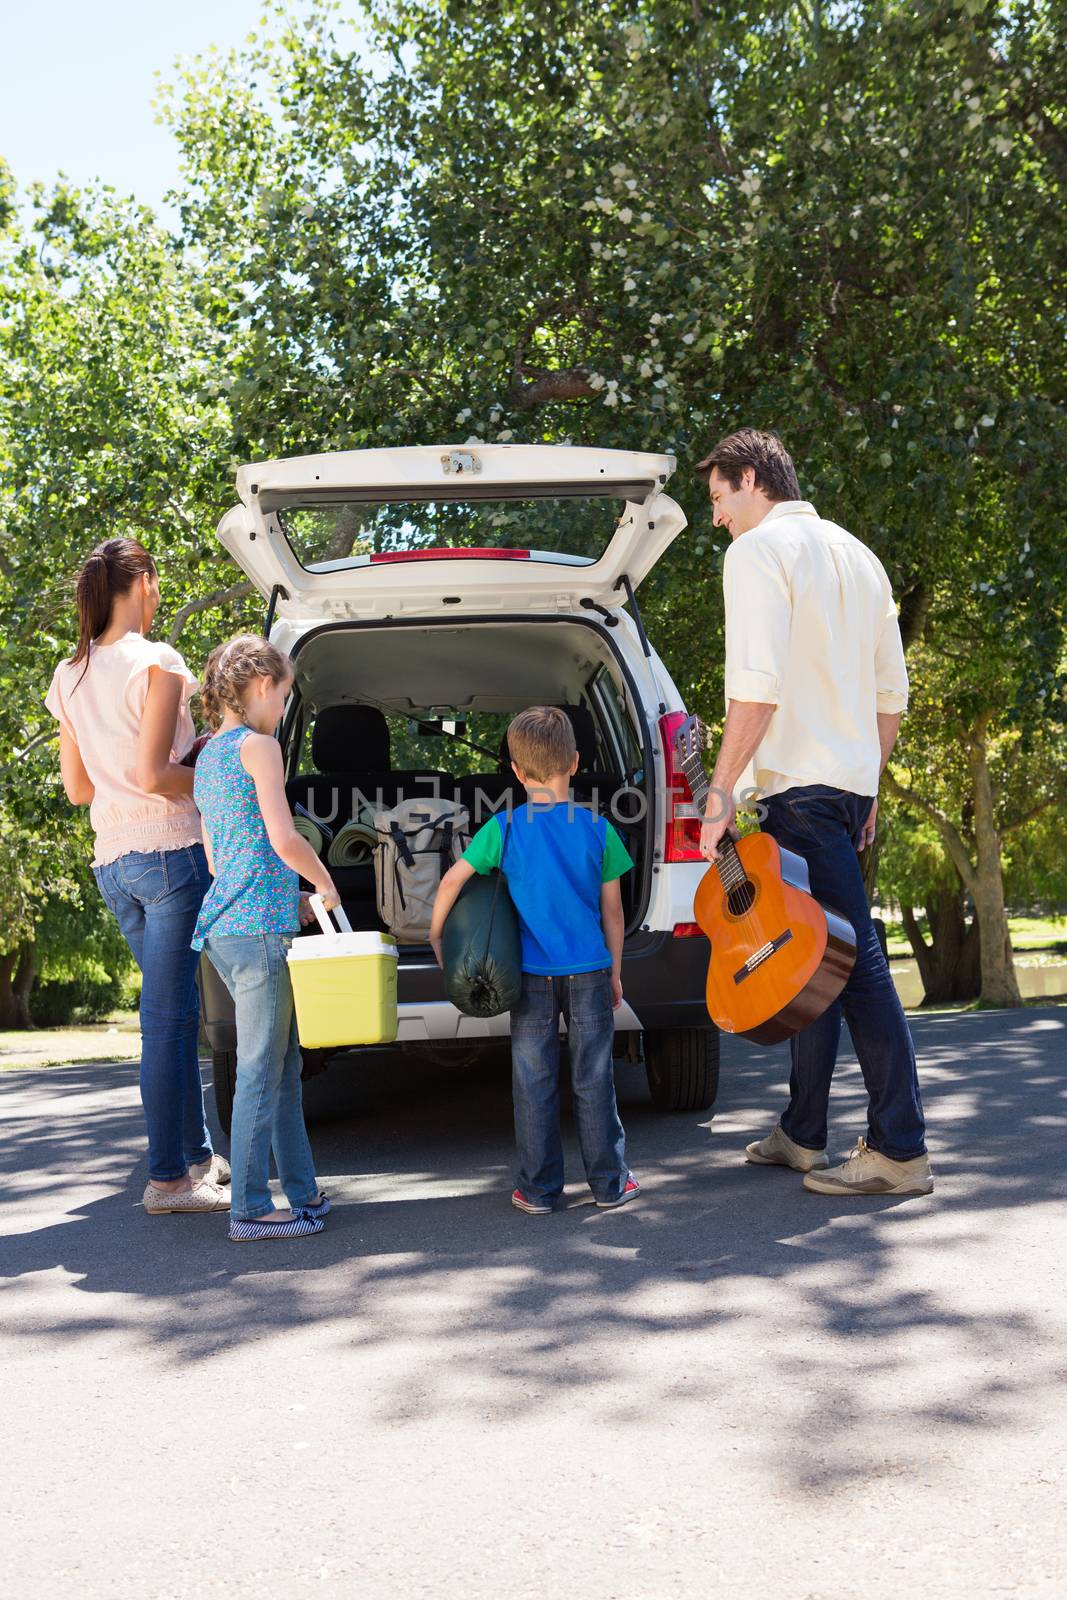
(116, 1039)
(1027, 933)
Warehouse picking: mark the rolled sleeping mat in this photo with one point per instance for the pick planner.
(481, 948)
(354, 845)
(308, 829)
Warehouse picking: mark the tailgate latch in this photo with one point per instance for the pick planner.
(461, 461)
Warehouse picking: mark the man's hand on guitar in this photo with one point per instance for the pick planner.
(718, 821)
(870, 827)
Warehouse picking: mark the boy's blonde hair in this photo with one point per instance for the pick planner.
(230, 669)
(541, 742)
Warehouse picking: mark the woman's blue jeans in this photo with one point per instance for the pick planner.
(268, 1111)
(155, 896)
(824, 825)
(584, 998)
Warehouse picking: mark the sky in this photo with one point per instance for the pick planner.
(79, 84)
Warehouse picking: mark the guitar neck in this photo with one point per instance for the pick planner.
(731, 871)
(697, 778)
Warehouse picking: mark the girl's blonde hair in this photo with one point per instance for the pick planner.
(231, 668)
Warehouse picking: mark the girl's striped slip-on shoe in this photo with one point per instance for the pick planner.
(316, 1208)
(298, 1227)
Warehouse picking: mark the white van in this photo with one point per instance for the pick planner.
(425, 596)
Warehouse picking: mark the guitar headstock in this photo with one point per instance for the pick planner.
(690, 739)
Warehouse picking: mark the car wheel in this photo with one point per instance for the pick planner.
(682, 1065)
(224, 1079)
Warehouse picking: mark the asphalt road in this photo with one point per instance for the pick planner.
(730, 1387)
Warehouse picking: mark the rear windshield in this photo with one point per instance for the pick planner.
(350, 532)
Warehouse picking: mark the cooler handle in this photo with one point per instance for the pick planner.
(323, 916)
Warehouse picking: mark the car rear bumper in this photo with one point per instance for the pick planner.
(663, 980)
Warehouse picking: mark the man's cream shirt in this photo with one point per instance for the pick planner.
(812, 629)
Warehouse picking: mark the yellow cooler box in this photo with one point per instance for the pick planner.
(344, 985)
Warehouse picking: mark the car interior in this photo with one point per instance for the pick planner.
(410, 712)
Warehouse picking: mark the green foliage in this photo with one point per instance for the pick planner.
(632, 224)
(102, 432)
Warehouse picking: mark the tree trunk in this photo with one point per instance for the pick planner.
(16, 981)
(999, 984)
(869, 867)
(948, 964)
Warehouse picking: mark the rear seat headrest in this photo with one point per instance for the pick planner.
(584, 726)
(350, 739)
(584, 735)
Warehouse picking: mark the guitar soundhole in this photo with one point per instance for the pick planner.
(742, 899)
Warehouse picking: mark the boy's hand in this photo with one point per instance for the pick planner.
(435, 945)
(616, 991)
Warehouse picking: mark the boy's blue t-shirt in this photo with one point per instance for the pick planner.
(554, 860)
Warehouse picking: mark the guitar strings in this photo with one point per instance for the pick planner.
(691, 764)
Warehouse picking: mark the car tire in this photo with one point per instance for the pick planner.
(224, 1080)
(682, 1066)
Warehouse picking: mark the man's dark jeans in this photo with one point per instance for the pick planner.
(824, 825)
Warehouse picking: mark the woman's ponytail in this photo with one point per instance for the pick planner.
(112, 569)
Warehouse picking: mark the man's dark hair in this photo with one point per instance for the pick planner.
(764, 453)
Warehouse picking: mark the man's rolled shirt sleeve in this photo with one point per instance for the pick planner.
(891, 675)
(758, 615)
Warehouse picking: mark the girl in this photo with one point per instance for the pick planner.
(246, 925)
(124, 725)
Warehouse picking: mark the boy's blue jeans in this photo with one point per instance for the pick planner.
(155, 897)
(823, 825)
(268, 1110)
(584, 998)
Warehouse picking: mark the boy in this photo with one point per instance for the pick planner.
(562, 866)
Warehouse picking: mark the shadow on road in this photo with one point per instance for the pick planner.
(507, 1313)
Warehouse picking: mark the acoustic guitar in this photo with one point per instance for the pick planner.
(778, 957)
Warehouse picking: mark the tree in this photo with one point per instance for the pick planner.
(105, 428)
(617, 224)
(645, 224)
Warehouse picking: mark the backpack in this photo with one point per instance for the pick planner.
(418, 841)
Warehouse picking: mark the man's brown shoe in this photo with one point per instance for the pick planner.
(778, 1150)
(867, 1171)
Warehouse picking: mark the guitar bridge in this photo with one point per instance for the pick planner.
(764, 953)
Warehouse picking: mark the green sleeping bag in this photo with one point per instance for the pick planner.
(481, 949)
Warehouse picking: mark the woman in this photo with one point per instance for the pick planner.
(124, 725)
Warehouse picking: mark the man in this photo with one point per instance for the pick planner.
(816, 687)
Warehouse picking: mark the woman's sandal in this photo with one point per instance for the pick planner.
(298, 1226)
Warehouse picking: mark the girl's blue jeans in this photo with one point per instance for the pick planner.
(584, 998)
(268, 1112)
(155, 896)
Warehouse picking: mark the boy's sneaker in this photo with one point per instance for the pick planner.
(532, 1208)
(867, 1171)
(779, 1150)
(632, 1188)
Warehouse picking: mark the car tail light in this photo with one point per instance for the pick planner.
(681, 838)
(688, 930)
(466, 552)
